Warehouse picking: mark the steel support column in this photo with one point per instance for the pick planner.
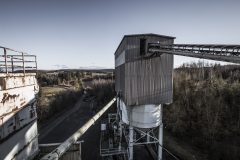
(130, 142)
(130, 137)
(148, 138)
(160, 135)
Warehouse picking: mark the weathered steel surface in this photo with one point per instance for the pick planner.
(18, 124)
(16, 92)
(16, 80)
(17, 98)
(18, 89)
(73, 153)
(21, 145)
(143, 116)
(148, 81)
(14, 99)
(11, 123)
(142, 80)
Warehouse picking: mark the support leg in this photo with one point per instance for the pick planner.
(120, 136)
(148, 137)
(160, 136)
(130, 142)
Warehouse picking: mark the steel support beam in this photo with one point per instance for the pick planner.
(130, 137)
(160, 136)
(130, 142)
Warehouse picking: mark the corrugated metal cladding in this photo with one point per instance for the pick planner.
(143, 81)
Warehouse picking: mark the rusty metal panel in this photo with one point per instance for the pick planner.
(18, 117)
(16, 80)
(143, 81)
(18, 124)
(22, 145)
(16, 92)
(11, 101)
(13, 122)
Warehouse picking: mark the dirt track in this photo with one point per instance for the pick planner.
(60, 128)
(66, 124)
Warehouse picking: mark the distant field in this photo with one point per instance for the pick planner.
(54, 99)
(52, 91)
(49, 94)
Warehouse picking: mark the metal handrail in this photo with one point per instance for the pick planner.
(17, 62)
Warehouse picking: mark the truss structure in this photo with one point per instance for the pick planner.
(111, 144)
(227, 53)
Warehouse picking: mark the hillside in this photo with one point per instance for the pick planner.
(206, 109)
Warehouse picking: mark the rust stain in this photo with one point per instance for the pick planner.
(7, 97)
(15, 109)
(22, 103)
(23, 80)
(3, 83)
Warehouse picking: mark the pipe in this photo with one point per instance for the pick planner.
(60, 150)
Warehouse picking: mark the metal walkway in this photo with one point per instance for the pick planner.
(227, 53)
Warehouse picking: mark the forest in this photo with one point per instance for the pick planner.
(206, 109)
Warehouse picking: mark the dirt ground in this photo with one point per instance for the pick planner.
(68, 125)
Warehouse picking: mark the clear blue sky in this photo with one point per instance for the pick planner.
(86, 33)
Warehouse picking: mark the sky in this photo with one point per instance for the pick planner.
(81, 34)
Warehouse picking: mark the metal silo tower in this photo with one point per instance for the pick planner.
(143, 84)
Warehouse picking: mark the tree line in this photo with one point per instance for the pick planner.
(206, 108)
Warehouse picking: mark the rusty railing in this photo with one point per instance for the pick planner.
(12, 61)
